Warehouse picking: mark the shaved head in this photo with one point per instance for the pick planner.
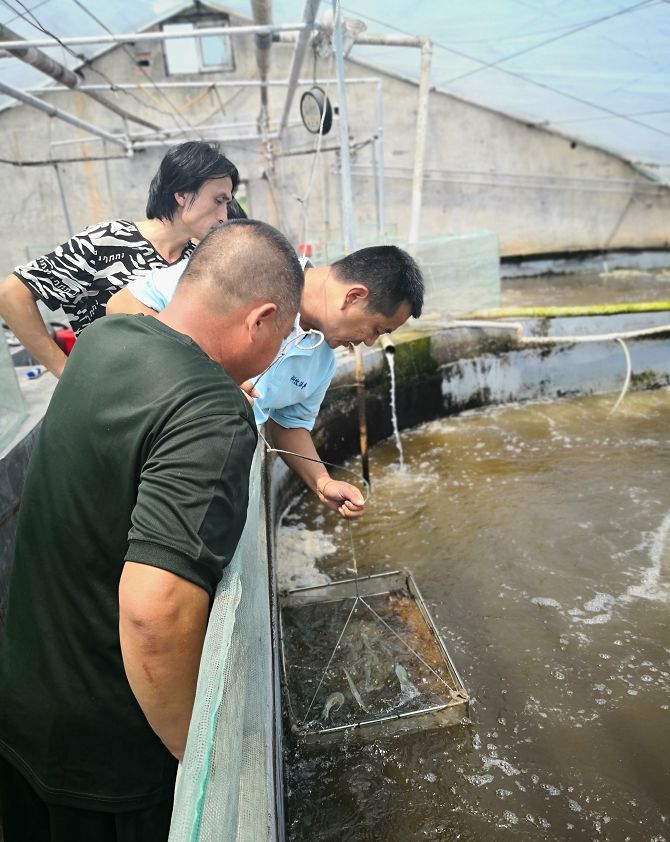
(243, 261)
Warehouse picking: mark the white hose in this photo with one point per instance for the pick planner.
(618, 336)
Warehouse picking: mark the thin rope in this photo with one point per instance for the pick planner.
(453, 694)
(330, 660)
(357, 599)
(366, 484)
(353, 555)
(295, 340)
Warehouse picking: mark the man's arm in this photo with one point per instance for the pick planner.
(19, 310)
(162, 625)
(339, 496)
(125, 302)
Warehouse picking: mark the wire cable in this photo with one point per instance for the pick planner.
(82, 58)
(176, 114)
(527, 79)
(553, 40)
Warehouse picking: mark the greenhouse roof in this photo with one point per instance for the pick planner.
(596, 72)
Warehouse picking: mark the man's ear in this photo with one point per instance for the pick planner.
(354, 294)
(260, 317)
(180, 199)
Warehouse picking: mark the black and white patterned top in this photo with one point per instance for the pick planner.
(82, 274)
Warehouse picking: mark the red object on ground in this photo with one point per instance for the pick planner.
(65, 339)
(305, 250)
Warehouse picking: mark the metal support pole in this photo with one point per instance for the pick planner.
(262, 14)
(45, 64)
(420, 142)
(148, 144)
(379, 155)
(348, 222)
(68, 223)
(144, 37)
(359, 373)
(375, 178)
(52, 111)
(345, 158)
(216, 83)
(309, 15)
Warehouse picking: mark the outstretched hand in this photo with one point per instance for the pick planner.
(341, 497)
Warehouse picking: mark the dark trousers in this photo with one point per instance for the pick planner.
(26, 818)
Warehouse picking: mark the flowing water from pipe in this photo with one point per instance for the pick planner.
(390, 359)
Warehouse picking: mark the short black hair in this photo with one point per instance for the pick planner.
(390, 274)
(184, 169)
(235, 210)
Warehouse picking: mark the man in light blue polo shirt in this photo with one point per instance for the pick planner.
(356, 299)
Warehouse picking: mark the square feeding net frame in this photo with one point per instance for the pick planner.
(365, 653)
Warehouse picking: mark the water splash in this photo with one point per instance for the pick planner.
(390, 359)
(651, 587)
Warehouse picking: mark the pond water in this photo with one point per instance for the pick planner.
(614, 286)
(539, 536)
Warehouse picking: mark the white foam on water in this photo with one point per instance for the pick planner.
(503, 765)
(600, 608)
(650, 586)
(479, 780)
(600, 602)
(299, 550)
(546, 602)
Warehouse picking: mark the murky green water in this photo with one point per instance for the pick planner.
(616, 286)
(539, 536)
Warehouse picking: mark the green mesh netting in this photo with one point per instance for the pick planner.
(226, 789)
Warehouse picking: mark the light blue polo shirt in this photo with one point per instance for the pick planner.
(292, 389)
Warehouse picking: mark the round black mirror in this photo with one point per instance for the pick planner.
(315, 110)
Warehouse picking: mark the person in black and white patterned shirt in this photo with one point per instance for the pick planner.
(188, 196)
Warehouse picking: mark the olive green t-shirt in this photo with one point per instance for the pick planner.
(144, 454)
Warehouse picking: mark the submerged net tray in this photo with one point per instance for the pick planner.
(365, 652)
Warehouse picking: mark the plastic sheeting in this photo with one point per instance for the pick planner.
(226, 789)
(461, 271)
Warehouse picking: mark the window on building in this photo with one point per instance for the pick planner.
(197, 55)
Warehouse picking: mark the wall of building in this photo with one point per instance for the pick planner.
(484, 170)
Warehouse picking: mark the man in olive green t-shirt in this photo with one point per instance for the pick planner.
(134, 502)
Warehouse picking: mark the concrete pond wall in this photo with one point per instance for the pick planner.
(443, 370)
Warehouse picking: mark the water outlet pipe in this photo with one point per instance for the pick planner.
(387, 343)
